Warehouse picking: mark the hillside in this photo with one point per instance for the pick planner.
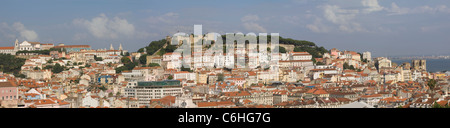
(160, 47)
(10, 63)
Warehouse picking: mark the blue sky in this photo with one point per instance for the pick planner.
(384, 27)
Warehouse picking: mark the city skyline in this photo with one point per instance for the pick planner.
(385, 28)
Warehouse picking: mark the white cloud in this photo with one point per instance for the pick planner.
(18, 29)
(80, 36)
(352, 27)
(396, 10)
(372, 5)
(343, 18)
(318, 27)
(104, 27)
(254, 27)
(250, 23)
(6, 31)
(428, 9)
(337, 15)
(248, 18)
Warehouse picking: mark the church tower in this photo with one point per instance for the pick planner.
(121, 49)
(111, 47)
(16, 45)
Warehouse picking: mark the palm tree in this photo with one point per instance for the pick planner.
(431, 83)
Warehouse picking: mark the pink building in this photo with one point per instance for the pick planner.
(334, 52)
(8, 94)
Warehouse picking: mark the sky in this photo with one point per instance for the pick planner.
(383, 27)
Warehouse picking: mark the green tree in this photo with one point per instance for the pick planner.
(37, 68)
(220, 77)
(155, 46)
(10, 63)
(98, 58)
(167, 49)
(125, 60)
(436, 105)
(153, 65)
(143, 59)
(170, 77)
(103, 88)
(347, 66)
(57, 68)
(141, 50)
(20, 75)
(120, 69)
(48, 67)
(282, 50)
(316, 52)
(39, 52)
(432, 83)
(186, 69)
(130, 66)
(352, 67)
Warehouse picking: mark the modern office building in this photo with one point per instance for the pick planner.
(144, 91)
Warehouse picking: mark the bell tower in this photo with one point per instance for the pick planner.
(111, 47)
(16, 45)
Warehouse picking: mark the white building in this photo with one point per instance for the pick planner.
(88, 101)
(367, 55)
(384, 62)
(300, 56)
(184, 75)
(29, 46)
(147, 90)
(8, 50)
